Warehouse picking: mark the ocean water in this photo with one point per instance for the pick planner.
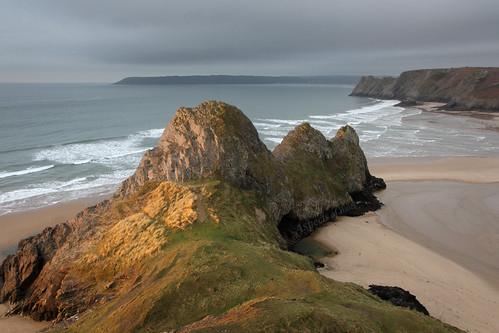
(61, 142)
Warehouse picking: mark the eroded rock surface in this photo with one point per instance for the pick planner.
(467, 88)
(210, 183)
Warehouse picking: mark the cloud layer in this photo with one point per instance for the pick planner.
(60, 40)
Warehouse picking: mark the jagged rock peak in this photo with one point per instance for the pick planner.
(211, 140)
(347, 133)
(250, 194)
(306, 138)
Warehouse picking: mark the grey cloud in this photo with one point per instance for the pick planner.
(59, 39)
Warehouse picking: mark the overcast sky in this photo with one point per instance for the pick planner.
(105, 40)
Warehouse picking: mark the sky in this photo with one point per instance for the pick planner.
(106, 40)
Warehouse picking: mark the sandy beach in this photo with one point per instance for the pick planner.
(489, 120)
(437, 236)
(17, 226)
(461, 169)
(18, 324)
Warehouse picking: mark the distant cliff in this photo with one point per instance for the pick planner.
(239, 79)
(468, 88)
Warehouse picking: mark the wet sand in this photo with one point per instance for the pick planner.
(18, 324)
(439, 239)
(487, 119)
(437, 236)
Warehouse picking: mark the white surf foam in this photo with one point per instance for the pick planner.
(274, 139)
(104, 151)
(284, 121)
(371, 121)
(39, 189)
(5, 174)
(266, 125)
(56, 191)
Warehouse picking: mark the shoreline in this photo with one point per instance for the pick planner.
(19, 324)
(371, 253)
(20, 225)
(488, 119)
(466, 169)
(435, 237)
(420, 171)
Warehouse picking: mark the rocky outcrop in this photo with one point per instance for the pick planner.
(213, 140)
(197, 237)
(468, 88)
(375, 86)
(19, 271)
(399, 297)
(307, 181)
(29, 279)
(327, 178)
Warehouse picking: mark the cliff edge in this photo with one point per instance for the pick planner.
(468, 88)
(196, 240)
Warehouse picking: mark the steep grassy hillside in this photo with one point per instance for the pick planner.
(226, 273)
(196, 240)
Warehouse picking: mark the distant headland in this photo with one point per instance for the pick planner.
(239, 79)
(467, 88)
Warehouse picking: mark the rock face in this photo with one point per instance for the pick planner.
(399, 297)
(196, 239)
(468, 88)
(213, 140)
(325, 178)
(19, 272)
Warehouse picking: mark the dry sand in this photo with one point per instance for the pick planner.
(459, 221)
(17, 226)
(437, 239)
(18, 324)
(462, 169)
(370, 253)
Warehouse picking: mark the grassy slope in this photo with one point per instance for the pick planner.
(223, 273)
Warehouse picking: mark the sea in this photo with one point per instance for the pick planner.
(60, 142)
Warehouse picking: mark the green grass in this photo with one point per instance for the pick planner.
(232, 276)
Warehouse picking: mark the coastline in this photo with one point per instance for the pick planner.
(436, 236)
(423, 264)
(467, 169)
(21, 225)
(488, 119)
(19, 324)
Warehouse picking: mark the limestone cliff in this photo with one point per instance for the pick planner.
(196, 240)
(468, 88)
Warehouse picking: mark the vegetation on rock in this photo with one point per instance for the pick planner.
(196, 240)
(466, 88)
